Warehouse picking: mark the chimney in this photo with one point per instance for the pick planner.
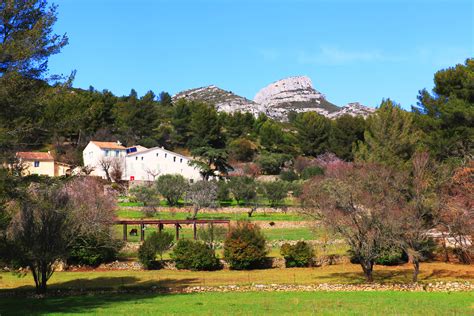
(119, 143)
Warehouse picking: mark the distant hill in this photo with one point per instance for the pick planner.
(293, 94)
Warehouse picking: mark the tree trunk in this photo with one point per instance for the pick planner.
(416, 271)
(195, 212)
(253, 209)
(368, 268)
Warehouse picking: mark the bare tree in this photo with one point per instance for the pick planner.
(117, 168)
(414, 220)
(357, 204)
(152, 172)
(48, 220)
(202, 194)
(105, 164)
(457, 211)
(41, 232)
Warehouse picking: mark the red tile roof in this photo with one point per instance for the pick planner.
(33, 155)
(108, 145)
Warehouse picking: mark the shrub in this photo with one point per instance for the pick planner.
(289, 176)
(311, 172)
(242, 149)
(194, 255)
(92, 250)
(272, 163)
(245, 246)
(388, 257)
(172, 187)
(155, 243)
(147, 255)
(298, 255)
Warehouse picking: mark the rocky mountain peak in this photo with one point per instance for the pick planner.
(225, 101)
(353, 109)
(293, 94)
(277, 100)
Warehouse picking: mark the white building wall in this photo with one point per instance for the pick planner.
(142, 165)
(93, 154)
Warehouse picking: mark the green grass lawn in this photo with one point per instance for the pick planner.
(248, 303)
(229, 203)
(258, 216)
(341, 274)
(302, 233)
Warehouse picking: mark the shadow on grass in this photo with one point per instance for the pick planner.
(82, 295)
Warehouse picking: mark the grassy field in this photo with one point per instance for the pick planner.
(249, 303)
(129, 213)
(341, 274)
(303, 233)
(229, 203)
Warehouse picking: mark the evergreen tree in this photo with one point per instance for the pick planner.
(391, 136)
(447, 116)
(313, 133)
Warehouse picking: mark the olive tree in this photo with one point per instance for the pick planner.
(172, 187)
(202, 194)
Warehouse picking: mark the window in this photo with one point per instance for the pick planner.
(181, 160)
(166, 155)
(106, 153)
(117, 153)
(136, 158)
(156, 154)
(191, 180)
(37, 164)
(142, 158)
(174, 159)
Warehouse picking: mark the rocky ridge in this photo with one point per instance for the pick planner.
(277, 100)
(352, 109)
(225, 101)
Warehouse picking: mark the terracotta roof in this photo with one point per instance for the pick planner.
(108, 145)
(33, 155)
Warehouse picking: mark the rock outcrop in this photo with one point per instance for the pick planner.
(223, 100)
(353, 109)
(277, 100)
(294, 94)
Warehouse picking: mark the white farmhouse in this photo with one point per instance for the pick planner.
(147, 165)
(138, 163)
(96, 153)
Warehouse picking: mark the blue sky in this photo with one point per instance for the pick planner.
(352, 50)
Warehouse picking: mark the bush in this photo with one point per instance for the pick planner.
(298, 255)
(245, 246)
(310, 172)
(242, 149)
(147, 255)
(194, 255)
(172, 187)
(289, 176)
(272, 163)
(155, 243)
(388, 257)
(93, 250)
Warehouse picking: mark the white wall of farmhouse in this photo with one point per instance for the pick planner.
(140, 164)
(93, 154)
(147, 165)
